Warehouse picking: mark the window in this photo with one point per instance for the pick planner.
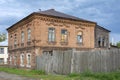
(64, 36)
(22, 37)
(1, 50)
(22, 59)
(29, 34)
(28, 60)
(10, 60)
(1, 60)
(105, 41)
(15, 60)
(79, 37)
(99, 41)
(51, 34)
(15, 41)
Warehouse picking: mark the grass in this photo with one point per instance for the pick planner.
(73, 76)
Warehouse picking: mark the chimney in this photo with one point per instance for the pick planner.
(39, 9)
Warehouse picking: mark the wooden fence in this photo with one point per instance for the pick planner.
(72, 61)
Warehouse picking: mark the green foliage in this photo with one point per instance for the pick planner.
(2, 37)
(22, 71)
(37, 72)
(87, 75)
(96, 76)
(73, 75)
(118, 44)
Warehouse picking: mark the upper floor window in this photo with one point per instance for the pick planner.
(51, 34)
(101, 42)
(104, 41)
(29, 34)
(79, 37)
(22, 37)
(15, 40)
(11, 36)
(64, 35)
(1, 50)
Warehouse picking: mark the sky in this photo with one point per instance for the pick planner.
(105, 12)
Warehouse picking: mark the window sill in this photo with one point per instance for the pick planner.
(64, 43)
(51, 42)
(29, 43)
(22, 65)
(79, 44)
(29, 66)
(22, 44)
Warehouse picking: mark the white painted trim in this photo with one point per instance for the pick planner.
(22, 65)
(27, 65)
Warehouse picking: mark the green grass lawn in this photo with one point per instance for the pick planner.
(73, 76)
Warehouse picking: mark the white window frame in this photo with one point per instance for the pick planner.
(2, 50)
(29, 34)
(28, 65)
(80, 37)
(51, 34)
(22, 60)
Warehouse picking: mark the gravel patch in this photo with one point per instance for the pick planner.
(7, 76)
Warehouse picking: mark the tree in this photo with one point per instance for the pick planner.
(3, 37)
(118, 44)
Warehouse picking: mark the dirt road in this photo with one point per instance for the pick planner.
(7, 76)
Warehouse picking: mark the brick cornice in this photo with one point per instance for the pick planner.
(60, 22)
(51, 19)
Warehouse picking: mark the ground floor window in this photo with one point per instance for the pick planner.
(1, 60)
(15, 60)
(22, 60)
(10, 60)
(28, 60)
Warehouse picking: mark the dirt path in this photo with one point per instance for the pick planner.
(7, 76)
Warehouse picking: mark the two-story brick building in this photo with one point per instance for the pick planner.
(48, 30)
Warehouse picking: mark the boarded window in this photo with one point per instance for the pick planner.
(22, 37)
(15, 40)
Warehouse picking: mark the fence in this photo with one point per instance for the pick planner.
(71, 61)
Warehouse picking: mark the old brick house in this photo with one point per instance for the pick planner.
(47, 30)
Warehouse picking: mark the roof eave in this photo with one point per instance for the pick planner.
(46, 15)
(20, 21)
(104, 28)
(64, 17)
